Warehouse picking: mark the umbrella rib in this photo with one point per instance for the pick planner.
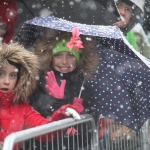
(27, 8)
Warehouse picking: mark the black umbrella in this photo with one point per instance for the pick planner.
(94, 12)
(121, 84)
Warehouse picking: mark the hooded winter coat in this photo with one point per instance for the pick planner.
(8, 17)
(14, 105)
(74, 79)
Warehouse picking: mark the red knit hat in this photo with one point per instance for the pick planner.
(8, 17)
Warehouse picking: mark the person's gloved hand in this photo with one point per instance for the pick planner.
(73, 113)
(64, 112)
(78, 103)
(52, 86)
(71, 131)
(122, 23)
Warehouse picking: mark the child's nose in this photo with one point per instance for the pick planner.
(122, 11)
(6, 80)
(64, 60)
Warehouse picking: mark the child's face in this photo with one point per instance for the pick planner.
(8, 78)
(64, 62)
(125, 11)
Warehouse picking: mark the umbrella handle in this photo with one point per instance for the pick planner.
(81, 89)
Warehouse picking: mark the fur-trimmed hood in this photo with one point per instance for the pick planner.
(28, 71)
(44, 45)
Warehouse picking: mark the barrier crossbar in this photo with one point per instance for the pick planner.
(29, 135)
(108, 135)
(114, 136)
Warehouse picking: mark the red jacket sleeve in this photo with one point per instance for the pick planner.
(60, 113)
(33, 118)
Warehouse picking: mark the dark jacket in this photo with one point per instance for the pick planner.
(46, 105)
(40, 99)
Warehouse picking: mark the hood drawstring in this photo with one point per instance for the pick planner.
(81, 89)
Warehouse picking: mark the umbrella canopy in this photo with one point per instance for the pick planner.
(32, 29)
(92, 12)
(95, 12)
(121, 82)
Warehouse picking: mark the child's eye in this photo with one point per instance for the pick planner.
(1, 74)
(128, 9)
(57, 55)
(71, 55)
(13, 76)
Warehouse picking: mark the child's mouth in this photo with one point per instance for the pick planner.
(64, 69)
(4, 89)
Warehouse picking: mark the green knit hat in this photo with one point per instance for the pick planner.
(61, 47)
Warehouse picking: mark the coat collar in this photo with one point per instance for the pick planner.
(67, 76)
(6, 99)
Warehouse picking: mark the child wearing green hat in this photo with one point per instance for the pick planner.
(66, 59)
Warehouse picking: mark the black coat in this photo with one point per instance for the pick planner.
(46, 105)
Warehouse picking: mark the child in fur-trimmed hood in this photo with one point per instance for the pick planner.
(18, 76)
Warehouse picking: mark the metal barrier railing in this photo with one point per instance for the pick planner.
(114, 136)
(85, 127)
(109, 135)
